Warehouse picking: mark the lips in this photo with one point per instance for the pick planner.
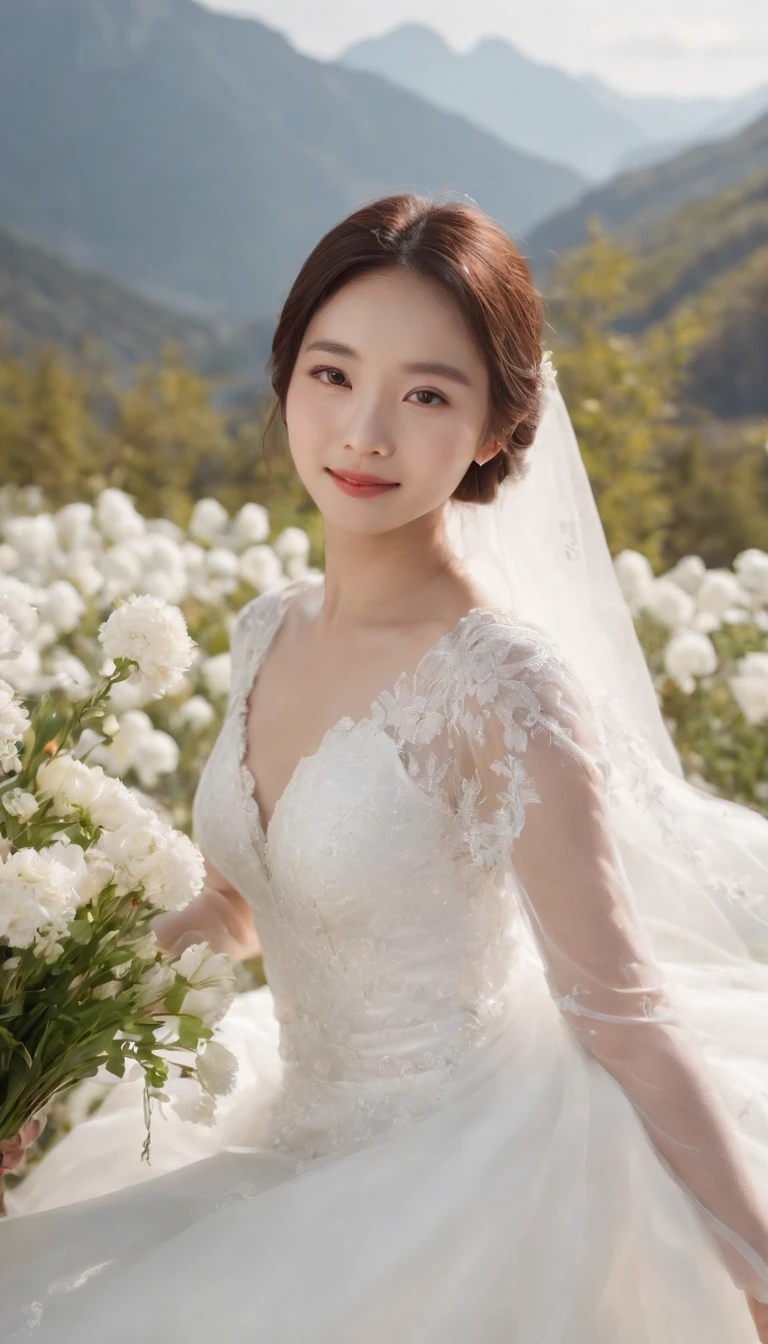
(365, 488)
(360, 478)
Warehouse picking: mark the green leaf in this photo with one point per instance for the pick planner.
(81, 931)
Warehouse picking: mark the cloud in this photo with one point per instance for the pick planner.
(676, 39)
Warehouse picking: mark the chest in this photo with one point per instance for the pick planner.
(299, 696)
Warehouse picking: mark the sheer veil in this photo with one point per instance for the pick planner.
(698, 864)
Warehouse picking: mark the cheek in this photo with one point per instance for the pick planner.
(304, 420)
(442, 453)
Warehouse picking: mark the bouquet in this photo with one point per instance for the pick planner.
(85, 868)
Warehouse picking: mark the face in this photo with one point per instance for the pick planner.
(388, 383)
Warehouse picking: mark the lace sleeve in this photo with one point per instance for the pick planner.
(537, 805)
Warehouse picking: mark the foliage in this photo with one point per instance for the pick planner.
(668, 478)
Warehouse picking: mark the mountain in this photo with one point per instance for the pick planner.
(198, 157)
(738, 114)
(535, 107)
(710, 258)
(655, 151)
(632, 202)
(577, 120)
(44, 298)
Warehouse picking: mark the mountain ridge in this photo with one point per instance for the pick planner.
(198, 157)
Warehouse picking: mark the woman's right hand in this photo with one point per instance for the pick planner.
(12, 1151)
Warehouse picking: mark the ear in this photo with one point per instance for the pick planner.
(487, 452)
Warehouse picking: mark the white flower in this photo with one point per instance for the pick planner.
(668, 604)
(154, 635)
(11, 642)
(110, 990)
(69, 783)
(155, 984)
(19, 804)
(68, 673)
(74, 526)
(719, 590)
(200, 1110)
(211, 978)
(35, 891)
(126, 745)
(116, 516)
(752, 569)
(705, 623)
(18, 601)
(209, 518)
(197, 713)
(689, 655)
(63, 606)
(34, 537)
(91, 870)
(260, 567)
(194, 558)
(149, 855)
(158, 756)
(216, 1068)
(121, 567)
(251, 525)
(127, 695)
(79, 568)
(49, 945)
(115, 805)
(14, 721)
(635, 576)
(163, 569)
(145, 947)
(216, 673)
(688, 573)
(292, 544)
(750, 687)
(222, 564)
(23, 672)
(9, 559)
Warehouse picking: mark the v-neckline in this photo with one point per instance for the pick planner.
(255, 661)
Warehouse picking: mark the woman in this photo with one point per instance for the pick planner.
(506, 1081)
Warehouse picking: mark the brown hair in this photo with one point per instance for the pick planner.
(479, 265)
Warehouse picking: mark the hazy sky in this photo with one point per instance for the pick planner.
(658, 46)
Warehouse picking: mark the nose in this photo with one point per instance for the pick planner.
(368, 433)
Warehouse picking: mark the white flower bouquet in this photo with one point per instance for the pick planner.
(84, 870)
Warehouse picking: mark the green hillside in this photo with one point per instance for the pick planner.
(709, 261)
(632, 203)
(45, 299)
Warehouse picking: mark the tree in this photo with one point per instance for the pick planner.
(621, 392)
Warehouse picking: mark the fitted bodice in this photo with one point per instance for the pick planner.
(390, 938)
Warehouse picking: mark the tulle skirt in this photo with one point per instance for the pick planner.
(529, 1208)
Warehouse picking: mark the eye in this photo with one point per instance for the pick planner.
(420, 392)
(326, 369)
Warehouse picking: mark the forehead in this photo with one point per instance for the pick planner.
(396, 313)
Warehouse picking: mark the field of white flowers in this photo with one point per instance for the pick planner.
(705, 633)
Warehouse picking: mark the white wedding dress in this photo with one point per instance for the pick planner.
(470, 1105)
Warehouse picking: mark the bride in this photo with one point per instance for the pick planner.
(509, 1078)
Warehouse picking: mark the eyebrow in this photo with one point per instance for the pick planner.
(439, 370)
